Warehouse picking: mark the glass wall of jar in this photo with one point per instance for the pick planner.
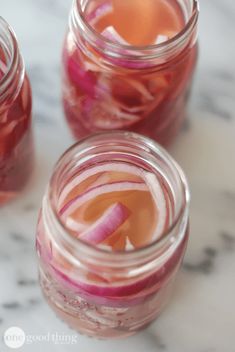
(112, 234)
(115, 78)
(16, 145)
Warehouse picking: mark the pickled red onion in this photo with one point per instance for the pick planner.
(107, 114)
(111, 34)
(121, 290)
(151, 184)
(160, 202)
(114, 106)
(140, 87)
(83, 79)
(94, 192)
(101, 179)
(76, 226)
(131, 110)
(89, 66)
(120, 116)
(104, 300)
(106, 225)
(99, 12)
(99, 168)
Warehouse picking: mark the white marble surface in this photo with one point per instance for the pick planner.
(201, 316)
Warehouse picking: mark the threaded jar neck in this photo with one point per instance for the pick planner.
(115, 147)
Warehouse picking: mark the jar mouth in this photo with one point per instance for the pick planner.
(145, 51)
(168, 236)
(9, 48)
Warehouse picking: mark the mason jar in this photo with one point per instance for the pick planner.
(16, 142)
(103, 291)
(110, 85)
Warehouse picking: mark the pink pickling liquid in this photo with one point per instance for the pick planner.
(140, 22)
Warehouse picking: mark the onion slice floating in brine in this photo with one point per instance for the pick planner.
(76, 226)
(99, 168)
(94, 192)
(121, 291)
(111, 34)
(86, 81)
(106, 225)
(159, 199)
(117, 117)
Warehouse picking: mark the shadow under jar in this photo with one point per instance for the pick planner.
(16, 142)
(112, 233)
(129, 65)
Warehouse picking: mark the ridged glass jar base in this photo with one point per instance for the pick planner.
(100, 321)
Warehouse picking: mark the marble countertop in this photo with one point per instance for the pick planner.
(201, 315)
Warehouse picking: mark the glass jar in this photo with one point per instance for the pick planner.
(109, 86)
(133, 286)
(16, 144)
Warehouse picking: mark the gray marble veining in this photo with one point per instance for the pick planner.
(201, 315)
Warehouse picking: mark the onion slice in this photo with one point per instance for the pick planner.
(99, 168)
(106, 225)
(119, 118)
(140, 87)
(85, 80)
(111, 34)
(94, 192)
(76, 226)
(151, 183)
(121, 290)
(160, 202)
(114, 37)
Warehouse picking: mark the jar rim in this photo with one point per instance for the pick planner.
(146, 52)
(12, 45)
(142, 252)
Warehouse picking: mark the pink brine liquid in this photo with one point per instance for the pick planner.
(139, 22)
(105, 93)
